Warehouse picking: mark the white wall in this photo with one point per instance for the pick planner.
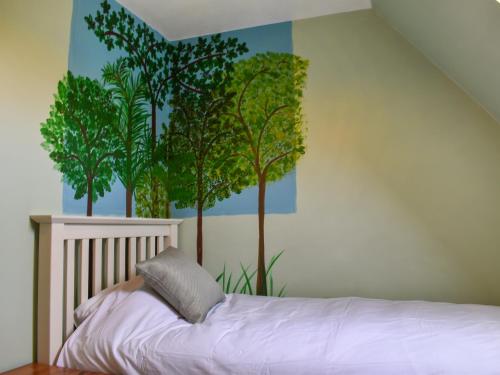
(34, 38)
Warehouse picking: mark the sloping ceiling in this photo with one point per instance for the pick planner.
(462, 37)
(180, 19)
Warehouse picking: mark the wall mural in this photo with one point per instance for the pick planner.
(179, 125)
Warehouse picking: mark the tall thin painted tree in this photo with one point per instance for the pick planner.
(267, 125)
(201, 163)
(130, 125)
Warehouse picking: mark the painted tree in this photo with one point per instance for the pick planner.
(79, 136)
(162, 63)
(267, 124)
(131, 127)
(200, 156)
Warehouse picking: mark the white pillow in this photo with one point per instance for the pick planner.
(118, 292)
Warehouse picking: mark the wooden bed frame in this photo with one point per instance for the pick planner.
(80, 256)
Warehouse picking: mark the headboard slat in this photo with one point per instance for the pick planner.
(120, 259)
(109, 262)
(116, 246)
(132, 256)
(96, 266)
(83, 271)
(141, 249)
(151, 247)
(69, 283)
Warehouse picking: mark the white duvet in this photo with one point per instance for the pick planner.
(132, 331)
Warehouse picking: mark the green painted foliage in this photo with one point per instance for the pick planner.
(147, 203)
(161, 62)
(145, 49)
(164, 67)
(79, 135)
(200, 154)
(267, 113)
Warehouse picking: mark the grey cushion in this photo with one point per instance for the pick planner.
(186, 286)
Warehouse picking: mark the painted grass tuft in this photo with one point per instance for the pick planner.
(243, 284)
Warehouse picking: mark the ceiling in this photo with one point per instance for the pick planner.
(180, 19)
(460, 37)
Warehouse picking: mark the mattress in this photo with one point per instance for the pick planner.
(133, 331)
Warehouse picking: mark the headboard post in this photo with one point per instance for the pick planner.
(50, 291)
(65, 274)
(174, 238)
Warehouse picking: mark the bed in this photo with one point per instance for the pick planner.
(128, 328)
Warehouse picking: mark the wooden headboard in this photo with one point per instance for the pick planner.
(80, 256)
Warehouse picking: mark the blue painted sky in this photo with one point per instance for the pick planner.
(87, 56)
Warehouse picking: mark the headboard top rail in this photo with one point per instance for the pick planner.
(101, 220)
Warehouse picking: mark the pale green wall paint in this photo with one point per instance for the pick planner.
(398, 190)
(462, 37)
(34, 37)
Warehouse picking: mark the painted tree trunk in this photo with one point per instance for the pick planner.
(199, 235)
(261, 261)
(128, 202)
(167, 209)
(154, 186)
(89, 196)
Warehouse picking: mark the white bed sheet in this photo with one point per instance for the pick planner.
(139, 334)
